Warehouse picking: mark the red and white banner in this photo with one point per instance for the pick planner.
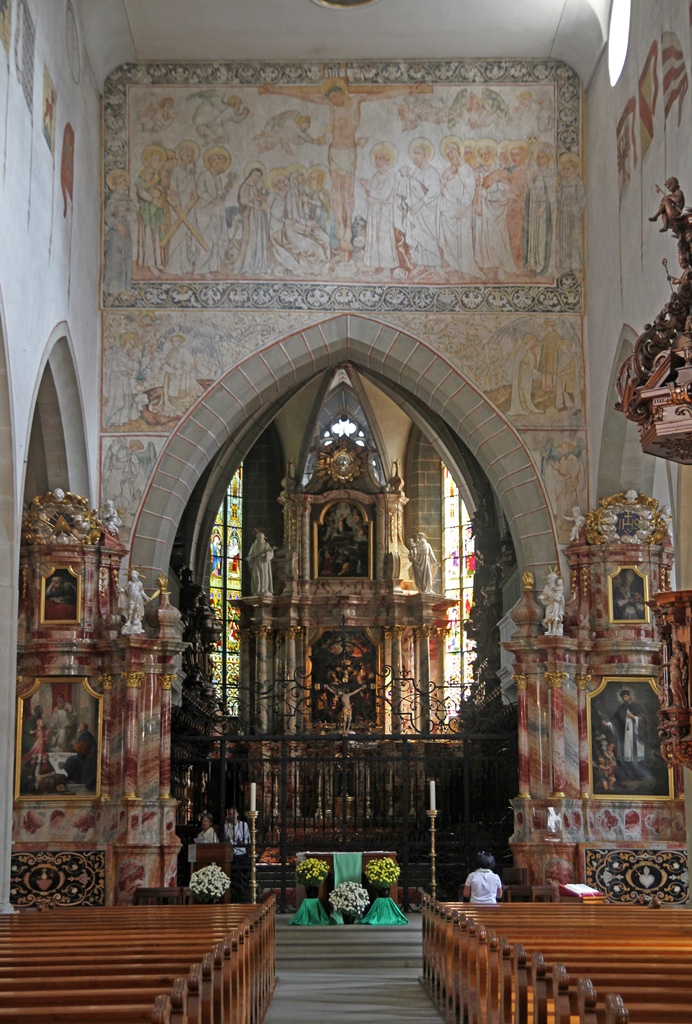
(675, 80)
(648, 97)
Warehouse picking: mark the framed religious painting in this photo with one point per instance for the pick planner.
(344, 673)
(625, 760)
(58, 746)
(61, 596)
(628, 593)
(342, 542)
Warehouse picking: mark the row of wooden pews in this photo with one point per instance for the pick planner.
(535, 963)
(199, 964)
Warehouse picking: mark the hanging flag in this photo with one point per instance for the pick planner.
(648, 97)
(675, 81)
(626, 144)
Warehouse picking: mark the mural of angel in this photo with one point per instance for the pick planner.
(214, 114)
(477, 111)
(286, 131)
(539, 108)
(416, 110)
(127, 466)
(157, 114)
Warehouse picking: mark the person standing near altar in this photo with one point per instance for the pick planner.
(237, 832)
(208, 832)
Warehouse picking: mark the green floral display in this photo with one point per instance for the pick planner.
(311, 872)
(382, 872)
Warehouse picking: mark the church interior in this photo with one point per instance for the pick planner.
(345, 391)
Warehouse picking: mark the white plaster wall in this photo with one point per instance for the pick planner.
(626, 284)
(49, 290)
(39, 263)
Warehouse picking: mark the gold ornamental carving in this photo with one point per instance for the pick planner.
(167, 680)
(264, 632)
(343, 463)
(398, 632)
(134, 680)
(528, 581)
(520, 680)
(555, 680)
(106, 682)
(627, 518)
(59, 517)
(582, 679)
(585, 580)
(103, 579)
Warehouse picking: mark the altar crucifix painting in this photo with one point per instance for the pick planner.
(344, 681)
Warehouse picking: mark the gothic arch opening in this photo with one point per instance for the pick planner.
(234, 413)
(57, 454)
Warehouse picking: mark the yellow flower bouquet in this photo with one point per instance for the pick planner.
(382, 872)
(311, 872)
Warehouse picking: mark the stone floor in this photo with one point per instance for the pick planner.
(349, 974)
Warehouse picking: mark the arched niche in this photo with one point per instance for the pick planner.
(232, 414)
(57, 452)
(622, 463)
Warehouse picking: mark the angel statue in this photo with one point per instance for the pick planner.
(131, 599)
(110, 517)
(579, 520)
(553, 598)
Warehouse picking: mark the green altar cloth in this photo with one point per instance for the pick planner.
(348, 867)
(384, 911)
(310, 912)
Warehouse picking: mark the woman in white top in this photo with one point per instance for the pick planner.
(483, 885)
(208, 833)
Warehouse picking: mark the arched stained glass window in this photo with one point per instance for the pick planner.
(225, 585)
(459, 565)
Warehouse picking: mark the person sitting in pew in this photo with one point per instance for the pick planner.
(483, 885)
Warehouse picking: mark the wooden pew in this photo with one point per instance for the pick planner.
(111, 965)
(477, 970)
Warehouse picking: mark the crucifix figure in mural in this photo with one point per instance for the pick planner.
(344, 101)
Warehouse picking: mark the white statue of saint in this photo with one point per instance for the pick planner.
(423, 563)
(579, 520)
(260, 558)
(110, 518)
(553, 598)
(131, 598)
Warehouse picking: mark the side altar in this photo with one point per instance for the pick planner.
(97, 658)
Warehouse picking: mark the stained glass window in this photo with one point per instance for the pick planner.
(225, 585)
(459, 564)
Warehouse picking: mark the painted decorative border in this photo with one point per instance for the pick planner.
(335, 297)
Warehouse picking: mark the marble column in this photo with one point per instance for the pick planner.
(167, 680)
(554, 682)
(582, 679)
(305, 541)
(425, 631)
(106, 681)
(261, 682)
(133, 684)
(290, 694)
(523, 725)
(397, 671)
(245, 673)
(438, 708)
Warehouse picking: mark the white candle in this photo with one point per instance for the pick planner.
(432, 795)
(253, 796)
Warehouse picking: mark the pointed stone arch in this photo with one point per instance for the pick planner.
(241, 397)
(57, 451)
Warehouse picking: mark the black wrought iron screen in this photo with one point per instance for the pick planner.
(333, 792)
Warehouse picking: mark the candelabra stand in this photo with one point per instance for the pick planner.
(252, 815)
(433, 880)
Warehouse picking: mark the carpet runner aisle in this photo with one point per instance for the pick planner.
(350, 975)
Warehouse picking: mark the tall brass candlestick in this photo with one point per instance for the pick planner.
(433, 881)
(252, 815)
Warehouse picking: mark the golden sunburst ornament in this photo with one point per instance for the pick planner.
(342, 463)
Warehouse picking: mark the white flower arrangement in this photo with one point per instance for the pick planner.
(350, 898)
(209, 884)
